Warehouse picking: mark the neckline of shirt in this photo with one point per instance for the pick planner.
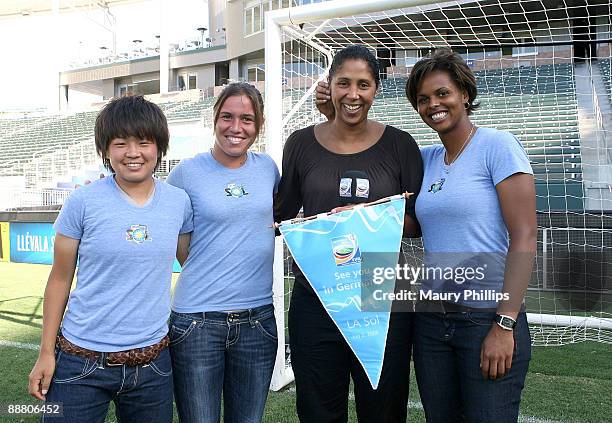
(130, 201)
(316, 141)
(208, 157)
(473, 140)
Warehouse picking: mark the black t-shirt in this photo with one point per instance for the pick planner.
(311, 174)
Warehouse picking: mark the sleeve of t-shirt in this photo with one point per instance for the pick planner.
(426, 153)
(276, 177)
(273, 168)
(411, 168)
(187, 217)
(70, 220)
(506, 156)
(176, 176)
(288, 198)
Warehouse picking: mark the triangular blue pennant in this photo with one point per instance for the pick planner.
(329, 251)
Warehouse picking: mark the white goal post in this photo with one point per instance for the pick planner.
(543, 69)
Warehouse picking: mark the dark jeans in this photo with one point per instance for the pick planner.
(229, 354)
(323, 364)
(447, 367)
(85, 388)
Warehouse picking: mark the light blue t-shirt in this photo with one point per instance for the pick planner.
(229, 266)
(126, 252)
(458, 207)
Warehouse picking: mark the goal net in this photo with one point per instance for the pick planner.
(543, 71)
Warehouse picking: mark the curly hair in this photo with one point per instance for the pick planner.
(356, 52)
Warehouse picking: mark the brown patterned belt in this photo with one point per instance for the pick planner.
(133, 357)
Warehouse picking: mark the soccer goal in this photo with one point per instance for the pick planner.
(543, 69)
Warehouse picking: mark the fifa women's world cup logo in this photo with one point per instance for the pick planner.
(346, 250)
(138, 234)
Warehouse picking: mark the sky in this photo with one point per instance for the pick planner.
(35, 48)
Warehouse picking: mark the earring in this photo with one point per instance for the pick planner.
(466, 105)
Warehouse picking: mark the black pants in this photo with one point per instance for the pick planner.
(323, 364)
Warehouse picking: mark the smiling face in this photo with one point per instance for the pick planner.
(440, 102)
(132, 159)
(353, 89)
(235, 130)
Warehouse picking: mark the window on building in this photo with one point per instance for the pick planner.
(187, 81)
(266, 8)
(248, 21)
(257, 18)
(127, 89)
(254, 12)
(256, 73)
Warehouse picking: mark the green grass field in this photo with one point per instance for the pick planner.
(571, 383)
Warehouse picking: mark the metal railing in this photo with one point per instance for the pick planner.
(18, 198)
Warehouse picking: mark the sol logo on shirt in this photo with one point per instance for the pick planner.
(235, 190)
(436, 186)
(138, 234)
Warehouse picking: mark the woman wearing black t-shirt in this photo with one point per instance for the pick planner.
(314, 160)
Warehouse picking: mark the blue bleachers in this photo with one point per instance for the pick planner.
(536, 103)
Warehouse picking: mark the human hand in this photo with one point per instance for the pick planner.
(40, 376)
(496, 352)
(323, 100)
(342, 208)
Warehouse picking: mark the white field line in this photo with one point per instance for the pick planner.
(416, 405)
(21, 345)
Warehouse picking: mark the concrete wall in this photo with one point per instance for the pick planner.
(142, 69)
(36, 216)
(216, 21)
(206, 76)
(108, 88)
(110, 71)
(237, 43)
(198, 57)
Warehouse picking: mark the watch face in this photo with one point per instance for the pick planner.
(507, 322)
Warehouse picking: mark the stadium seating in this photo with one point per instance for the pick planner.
(27, 138)
(24, 139)
(536, 103)
(605, 65)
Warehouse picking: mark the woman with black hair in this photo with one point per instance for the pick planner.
(476, 206)
(315, 159)
(124, 230)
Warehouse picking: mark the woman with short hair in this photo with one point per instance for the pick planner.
(125, 231)
(476, 207)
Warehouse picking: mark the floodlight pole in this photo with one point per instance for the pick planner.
(164, 51)
(57, 100)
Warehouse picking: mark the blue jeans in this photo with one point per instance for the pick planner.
(447, 367)
(229, 354)
(86, 387)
